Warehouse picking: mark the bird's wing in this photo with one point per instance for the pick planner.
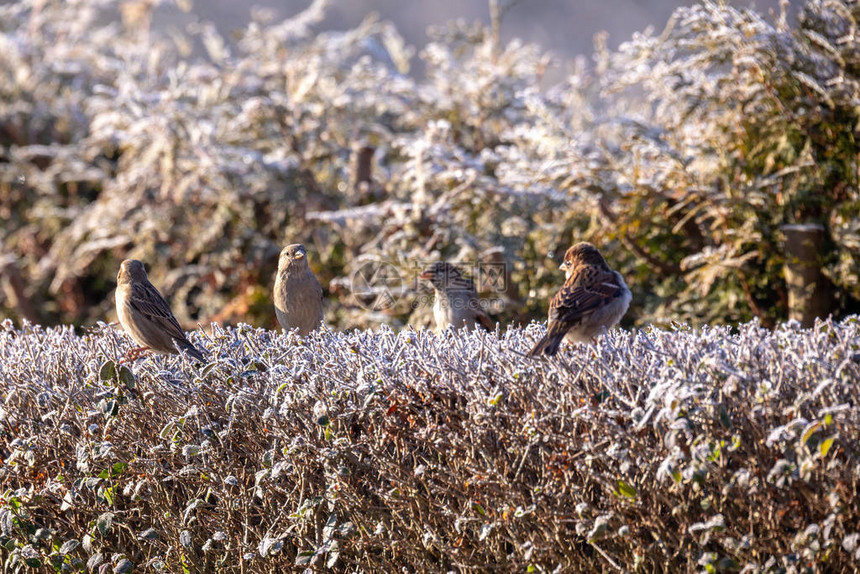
(147, 301)
(585, 291)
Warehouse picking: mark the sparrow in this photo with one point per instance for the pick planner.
(298, 294)
(146, 316)
(593, 298)
(456, 301)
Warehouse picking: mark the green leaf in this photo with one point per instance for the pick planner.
(725, 420)
(184, 561)
(169, 431)
(330, 524)
(114, 471)
(95, 561)
(810, 430)
(126, 377)
(333, 555)
(824, 446)
(69, 546)
(736, 443)
(107, 371)
(626, 490)
(104, 523)
(345, 529)
(149, 534)
(110, 407)
(304, 557)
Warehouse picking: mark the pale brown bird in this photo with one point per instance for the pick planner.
(298, 294)
(456, 301)
(593, 299)
(145, 315)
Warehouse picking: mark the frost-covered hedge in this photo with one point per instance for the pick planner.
(680, 155)
(374, 451)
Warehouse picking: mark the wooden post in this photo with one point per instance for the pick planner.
(362, 167)
(810, 294)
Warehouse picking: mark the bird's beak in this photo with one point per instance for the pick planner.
(563, 266)
(300, 254)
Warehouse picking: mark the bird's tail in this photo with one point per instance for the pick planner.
(549, 344)
(485, 322)
(192, 350)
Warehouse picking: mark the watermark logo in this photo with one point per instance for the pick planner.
(492, 277)
(376, 284)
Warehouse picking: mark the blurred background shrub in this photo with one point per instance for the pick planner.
(680, 155)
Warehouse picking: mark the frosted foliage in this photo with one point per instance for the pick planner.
(386, 450)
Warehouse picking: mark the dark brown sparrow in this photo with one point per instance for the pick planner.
(298, 293)
(456, 302)
(146, 316)
(593, 299)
